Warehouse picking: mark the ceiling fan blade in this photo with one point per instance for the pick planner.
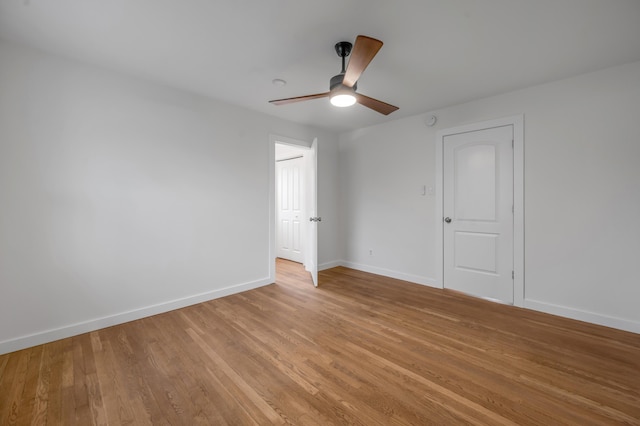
(362, 54)
(376, 105)
(298, 99)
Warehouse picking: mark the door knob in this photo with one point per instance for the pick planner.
(447, 219)
(315, 219)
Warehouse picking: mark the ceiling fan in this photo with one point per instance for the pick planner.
(342, 87)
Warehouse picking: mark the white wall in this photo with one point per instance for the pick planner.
(582, 197)
(121, 198)
(330, 248)
(382, 171)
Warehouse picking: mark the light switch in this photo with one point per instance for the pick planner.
(426, 190)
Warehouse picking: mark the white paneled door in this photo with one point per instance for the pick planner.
(290, 226)
(478, 213)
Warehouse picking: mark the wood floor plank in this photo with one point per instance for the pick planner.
(360, 349)
(13, 381)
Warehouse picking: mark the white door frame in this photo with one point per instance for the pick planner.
(273, 139)
(517, 122)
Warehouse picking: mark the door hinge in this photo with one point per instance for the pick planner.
(513, 208)
(513, 275)
(512, 143)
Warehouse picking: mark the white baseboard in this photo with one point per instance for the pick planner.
(47, 336)
(586, 316)
(416, 279)
(329, 265)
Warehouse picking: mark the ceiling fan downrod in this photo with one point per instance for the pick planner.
(343, 49)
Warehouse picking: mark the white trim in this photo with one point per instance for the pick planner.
(586, 316)
(518, 210)
(271, 214)
(517, 121)
(416, 279)
(299, 143)
(329, 265)
(40, 338)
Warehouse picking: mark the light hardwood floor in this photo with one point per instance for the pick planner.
(361, 349)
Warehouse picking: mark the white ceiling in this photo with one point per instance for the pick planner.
(436, 53)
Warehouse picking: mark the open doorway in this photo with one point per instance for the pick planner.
(293, 224)
(290, 203)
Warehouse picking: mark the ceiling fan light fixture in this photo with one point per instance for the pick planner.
(343, 98)
(343, 87)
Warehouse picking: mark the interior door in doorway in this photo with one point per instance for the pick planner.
(478, 213)
(290, 202)
(314, 219)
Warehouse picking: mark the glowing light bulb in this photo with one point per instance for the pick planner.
(343, 99)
